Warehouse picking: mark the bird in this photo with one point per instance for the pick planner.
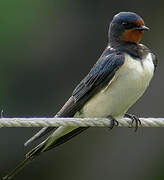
(116, 81)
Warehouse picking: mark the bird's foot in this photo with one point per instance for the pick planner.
(135, 120)
(113, 121)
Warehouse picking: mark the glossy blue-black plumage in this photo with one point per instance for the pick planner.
(101, 74)
(105, 67)
(126, 17)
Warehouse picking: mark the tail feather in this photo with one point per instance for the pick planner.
(66, 137)
(30, 156)
(38, 135)
(17, 169)
(42, 147)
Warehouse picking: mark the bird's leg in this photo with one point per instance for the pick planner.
(134, 119)
(113, 121)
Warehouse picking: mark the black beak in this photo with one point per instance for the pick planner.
(142, 28)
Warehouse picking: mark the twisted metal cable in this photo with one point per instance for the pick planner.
(81, 122)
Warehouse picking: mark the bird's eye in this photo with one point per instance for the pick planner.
(125, 23)
(128, 25)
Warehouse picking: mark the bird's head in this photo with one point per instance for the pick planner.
(127, 27)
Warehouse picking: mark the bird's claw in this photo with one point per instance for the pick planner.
(113, 121)
(135, 120)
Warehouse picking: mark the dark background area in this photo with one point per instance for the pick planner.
(46, 48)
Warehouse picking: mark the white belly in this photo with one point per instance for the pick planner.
(127, 86)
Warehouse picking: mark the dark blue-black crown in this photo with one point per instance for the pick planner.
(126, 17)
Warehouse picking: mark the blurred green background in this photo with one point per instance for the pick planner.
(46, 48)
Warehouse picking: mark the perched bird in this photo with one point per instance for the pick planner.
(117, 80)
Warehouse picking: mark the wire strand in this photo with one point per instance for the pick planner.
(80, 122)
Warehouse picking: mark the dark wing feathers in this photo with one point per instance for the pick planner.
(38, 135)
(102, 69)
(101, 73)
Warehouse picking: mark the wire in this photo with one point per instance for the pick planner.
(81, 122)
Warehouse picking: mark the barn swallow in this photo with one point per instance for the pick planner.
(117, 80)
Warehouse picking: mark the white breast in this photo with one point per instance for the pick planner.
(127, 86)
